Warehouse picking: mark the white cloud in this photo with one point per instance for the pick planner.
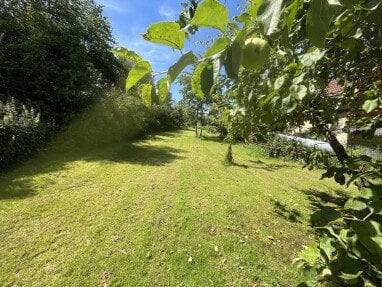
(167, 12)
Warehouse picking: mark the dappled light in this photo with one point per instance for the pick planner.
(319, 198)
(287, 213)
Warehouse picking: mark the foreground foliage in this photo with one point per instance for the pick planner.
(311, 43)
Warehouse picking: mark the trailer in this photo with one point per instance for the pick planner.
(321, 145)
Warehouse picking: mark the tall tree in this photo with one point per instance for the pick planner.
(54, 53)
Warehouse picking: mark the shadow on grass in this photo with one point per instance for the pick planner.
(240, 165)
(212, 138)
(289, 214)
(141, 155)
(268, 166)
(170, 134)
(319, 198)
(16, 189)
(18, 182)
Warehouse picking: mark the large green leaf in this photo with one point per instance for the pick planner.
(127, 54)
(233, 60)
(298, 92)
(369, 233)
(324, 216)
(139, 70)
(311, 57)
(244, 18)
(375, 191)
(167, 33)
(234, 55)
(355, 204)
(268, 15)
(370, 105)
(145, 92)
(349, 3)
(253, 7)
(346, 267)
(271, 97)
(217, 64)
(371, 4)
(291, 13)
(279, 82)
(230, 66)
(162, 87)
(310, 254)
(327, 247)
(318, 20)
(177, 68)
(298, 80)
(210, 13)
(377, 206)
(219, 45)
(202, 79)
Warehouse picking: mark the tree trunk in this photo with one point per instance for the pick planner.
(342, 156)
(229, 156)
(338, 148)
(201, 121)
(196, 122)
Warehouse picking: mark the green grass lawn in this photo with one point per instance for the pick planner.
(159, 212)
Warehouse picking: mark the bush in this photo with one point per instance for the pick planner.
(112, 118)
(21, 131)
(294, 150)
(164, 118)
(116, 117)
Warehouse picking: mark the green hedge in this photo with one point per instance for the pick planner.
(117, 117)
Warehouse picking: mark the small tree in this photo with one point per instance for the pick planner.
(228, 156)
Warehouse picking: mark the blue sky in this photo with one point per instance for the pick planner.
(130, 18)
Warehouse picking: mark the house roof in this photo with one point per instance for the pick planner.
(334, 88)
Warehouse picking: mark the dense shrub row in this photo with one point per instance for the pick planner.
(164, 118)
(116, 117)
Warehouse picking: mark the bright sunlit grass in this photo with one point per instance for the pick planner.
(165, 211)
